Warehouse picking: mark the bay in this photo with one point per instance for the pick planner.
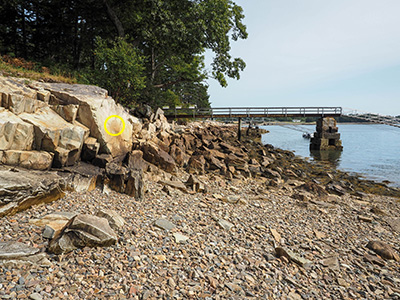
(370, 150)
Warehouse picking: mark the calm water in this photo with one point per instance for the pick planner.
(370, 150)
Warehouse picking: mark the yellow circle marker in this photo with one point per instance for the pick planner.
(123, 125)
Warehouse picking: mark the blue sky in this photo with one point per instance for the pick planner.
(317, 53)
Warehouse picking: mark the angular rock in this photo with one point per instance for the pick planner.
(123, 180)
(174, 184)
(180, 238)
(134, 186)
(90, 149)
(67, 112)
(195, 184)
(82, 176)
(52, 229)
(164, 224)
(383, 250)
(235, 161)
(18, 255)
(196, 164)
(20, 189)
(180, 157)
(95, 106)
(18, 104)
(83, 231)
(54, 134)
(134, 160)
(102, 160)
(301, 261)
(268, 173)
(114, 219)
(15, 134)
(61, 218)
(153, 154)
(11, 250)
(394, 223)
(34, 160)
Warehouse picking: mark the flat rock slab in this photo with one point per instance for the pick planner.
(20, 189)
(13, 250)
(164, 224)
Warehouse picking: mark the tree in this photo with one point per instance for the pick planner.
(119, 68)
(171, 37)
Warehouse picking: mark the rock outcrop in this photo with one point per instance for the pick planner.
(63, 120)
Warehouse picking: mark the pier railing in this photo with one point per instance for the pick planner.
(256, 112)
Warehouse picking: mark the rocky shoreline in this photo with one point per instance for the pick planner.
(283, 237)
(188, 212)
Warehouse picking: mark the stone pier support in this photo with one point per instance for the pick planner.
(327, 136)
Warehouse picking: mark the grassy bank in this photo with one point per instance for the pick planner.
(18, 67)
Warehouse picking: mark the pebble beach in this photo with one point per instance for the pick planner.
(220, 244)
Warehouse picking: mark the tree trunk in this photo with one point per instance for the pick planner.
(114, 18)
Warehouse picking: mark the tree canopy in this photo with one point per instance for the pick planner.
(149, 51)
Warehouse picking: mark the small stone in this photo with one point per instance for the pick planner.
(171, 283)
(233, 287)
(294, 296)
(213, 282)
(301, 261)
(225, 224)
(35, 296)
(331, 262)
(276, 235)
(180, 238)
(164, 224)
(160, 257)
(319, 234)
(383, 249)
(365, 219)
(343, 283)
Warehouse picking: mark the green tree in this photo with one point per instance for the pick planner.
(119, 69)
(170, 36)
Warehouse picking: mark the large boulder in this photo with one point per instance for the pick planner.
(83, 231)
(153, 154)
(125, 180)
(95, 106)
(54, 134)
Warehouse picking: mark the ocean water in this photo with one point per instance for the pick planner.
(372, 151)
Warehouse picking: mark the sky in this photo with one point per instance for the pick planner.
(317, 53)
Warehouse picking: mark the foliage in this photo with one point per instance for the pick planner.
(119, 68)
(167, 38)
